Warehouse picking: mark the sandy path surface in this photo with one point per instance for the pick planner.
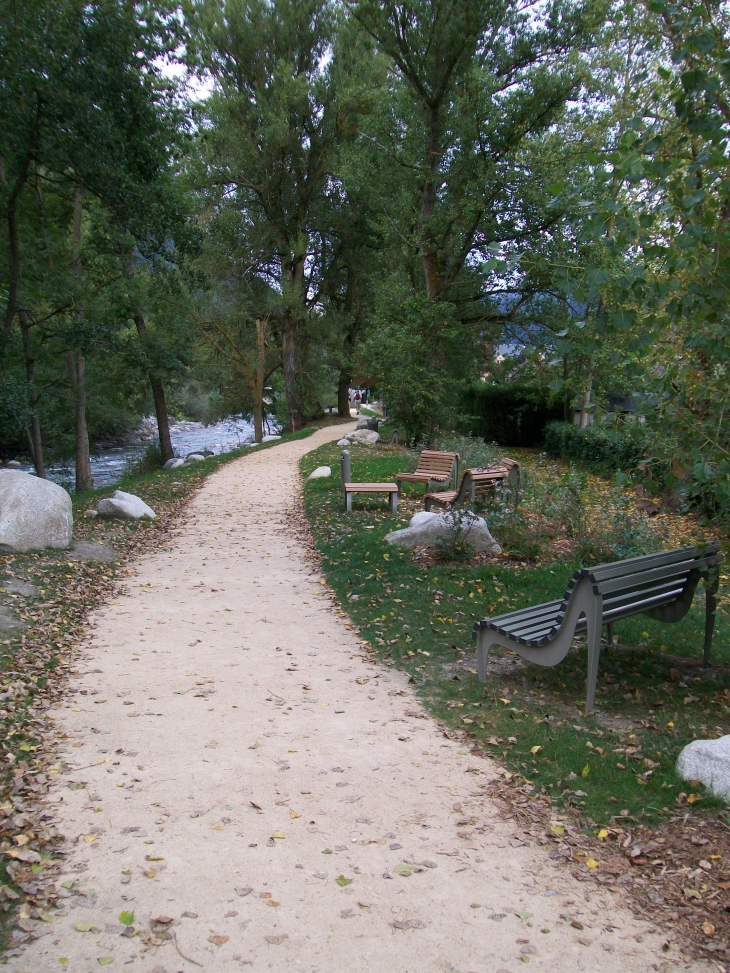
(252, 756)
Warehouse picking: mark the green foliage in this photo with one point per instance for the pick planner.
(418, 353)
(597, 447)
(510, 414)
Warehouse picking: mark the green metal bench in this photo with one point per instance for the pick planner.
(660, 586)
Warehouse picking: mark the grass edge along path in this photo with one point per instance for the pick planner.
(36, 659)
(598, 792)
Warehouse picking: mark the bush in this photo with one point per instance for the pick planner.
(510, 415)
(473, 453)
(598, 447)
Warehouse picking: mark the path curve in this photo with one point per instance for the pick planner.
(253, 756)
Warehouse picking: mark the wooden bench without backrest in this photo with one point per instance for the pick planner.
(434, 466)
(661, 586)
(476, 481)
(349, 488)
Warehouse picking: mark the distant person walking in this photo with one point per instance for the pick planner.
(358, 399)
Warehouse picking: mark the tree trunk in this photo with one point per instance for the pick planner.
(33, 433)
(258, 391)
(76, 370)
(343, 393)
(158, 395)
(77, 362)
(158, 389)
(289, 356)
(429, 253)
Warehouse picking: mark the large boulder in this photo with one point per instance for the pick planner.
(34, 513)
(364, 437)
(428, 529)
(174, 463)
(125, 506)
(320, 473)
(707, 761)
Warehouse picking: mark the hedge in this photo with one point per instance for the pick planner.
(510, 415)
(595, 447)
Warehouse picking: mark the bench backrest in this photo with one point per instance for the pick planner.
(650, 579)
(435, 461)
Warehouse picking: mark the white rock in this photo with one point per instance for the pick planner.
(343, 442)
(319, 473)
(13, 464)
(194, 457)
(707, 761)
(361, 424)
(34, 513)
(126, 506)
(364, 437)
(427, 528)
(269, 439)
(90, 514)
(172, 464)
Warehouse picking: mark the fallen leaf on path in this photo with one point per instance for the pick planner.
(244, 890)
(592, 863)
(105, 960)
(558, 829)
(280, 834)
(276, 940)
(218, 940)
(408, 924)
(707, 928)
(254, 805)
(342, 881)
(523, 916)
(404, 870)
(294, 814)
(154, 858)
(84, 927)
(126, 918)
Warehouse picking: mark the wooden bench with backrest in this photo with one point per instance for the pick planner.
(434, 466)
(476, 481)
(349, 487)
(661, 586)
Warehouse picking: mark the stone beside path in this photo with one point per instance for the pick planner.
(263, 796)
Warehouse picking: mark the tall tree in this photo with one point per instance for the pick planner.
(267, 142)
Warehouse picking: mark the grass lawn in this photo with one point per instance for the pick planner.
(417, 611)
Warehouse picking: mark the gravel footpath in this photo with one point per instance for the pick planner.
(260, 794)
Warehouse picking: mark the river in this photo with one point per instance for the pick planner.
(108, 465)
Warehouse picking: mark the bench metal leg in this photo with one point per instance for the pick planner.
(594, 655)
(394, 502)
(609, 633)
(348, 502)
(483, 643)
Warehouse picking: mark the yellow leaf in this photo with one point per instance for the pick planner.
(154, 858)
(90, 839)
(63, 960)
(217, 826)
(83, 927)
(707, 928)
(22, 839)
(280, 834)
(693, 798)
(536, 749)
(294, 814)
(505, 701)
(150, 873)
(592, 863)
(603, 833)
(586, 770)
(557, 829)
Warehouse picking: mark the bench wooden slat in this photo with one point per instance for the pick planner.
(371, 487)
(433, 466)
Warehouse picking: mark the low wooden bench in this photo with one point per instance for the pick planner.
(476, 481)
(660, 586)
(349, 487)
(434, 466)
